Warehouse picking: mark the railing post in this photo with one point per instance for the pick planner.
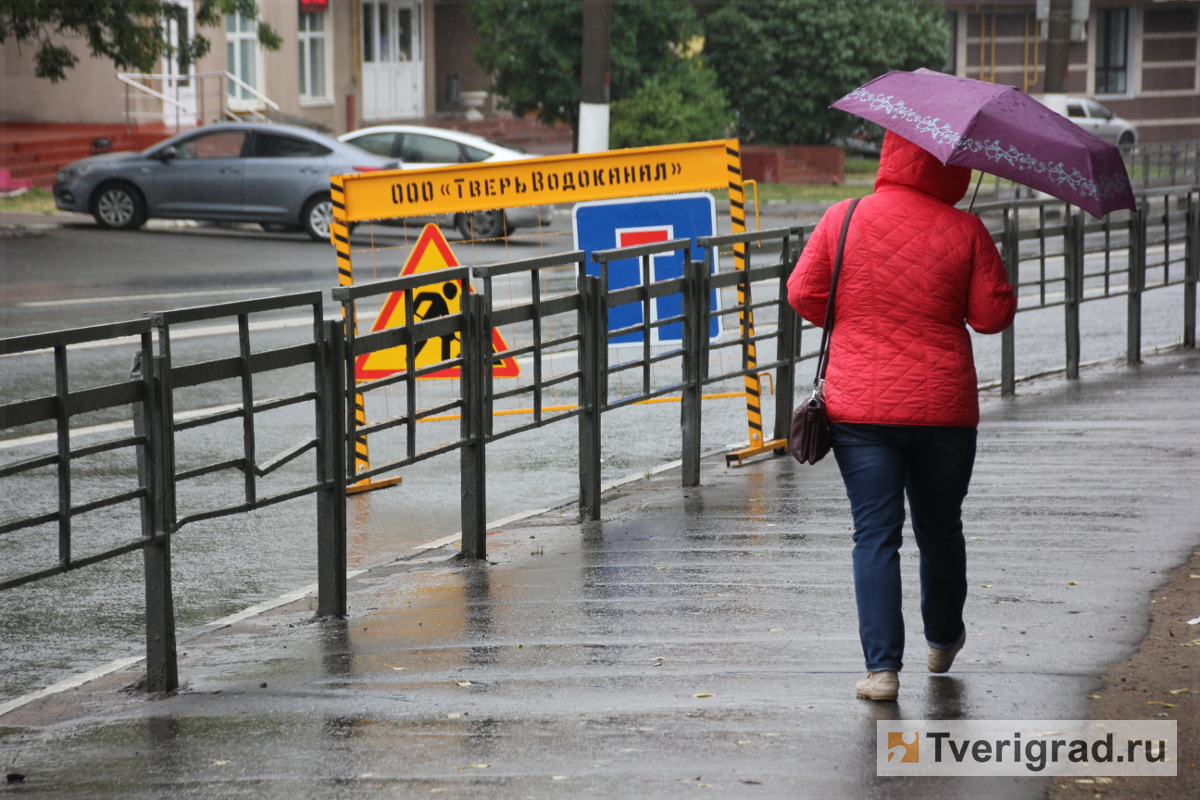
(694, 334)
(1012, 266)
(476, 356)
(1072, 288)
(331, 472)
(162, 666)
(591, 373)
(1191, 269)
(787, 346)
(1137, 284)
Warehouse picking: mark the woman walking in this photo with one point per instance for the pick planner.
(901, 391)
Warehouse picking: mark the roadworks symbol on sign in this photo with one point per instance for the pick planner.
(431, 253)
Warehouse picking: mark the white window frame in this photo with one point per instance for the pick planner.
(304, 39)
(1132, 35)
(233, 41)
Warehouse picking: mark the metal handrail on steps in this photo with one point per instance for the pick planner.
(142, 86)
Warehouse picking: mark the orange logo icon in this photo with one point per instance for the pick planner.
(904, 747)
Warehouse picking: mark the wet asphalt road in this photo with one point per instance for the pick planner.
(573, 664)
(77, 274)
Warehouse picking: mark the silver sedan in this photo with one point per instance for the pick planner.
(422, 148)
(275, 175)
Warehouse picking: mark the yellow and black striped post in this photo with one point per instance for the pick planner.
(339, 235)
(753, 387)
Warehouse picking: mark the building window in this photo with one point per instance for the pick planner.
(1112, 49)
(389, 33)
(177, 20)
(241, 54)
(312, 36)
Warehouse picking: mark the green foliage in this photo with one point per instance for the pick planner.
(782, 63)
(128, 32)
(683, 104)
(533, 50)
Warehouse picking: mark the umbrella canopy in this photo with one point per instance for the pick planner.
(996, 129)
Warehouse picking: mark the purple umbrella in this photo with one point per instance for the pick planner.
(996, 129)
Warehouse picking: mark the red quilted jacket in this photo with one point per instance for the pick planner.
(916, 272)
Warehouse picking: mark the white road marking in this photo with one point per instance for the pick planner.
(109, 427)
(83, 301)
(179, 334)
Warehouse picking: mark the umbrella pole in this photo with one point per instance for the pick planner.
(976, 192)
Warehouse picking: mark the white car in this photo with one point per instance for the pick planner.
(440, 147)
(1092, 117)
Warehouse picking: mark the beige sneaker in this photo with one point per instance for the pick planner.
(939, 660)
(883, 685)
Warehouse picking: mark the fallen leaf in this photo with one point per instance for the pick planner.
(1104, 781)
(1085, 780)
(657, 567)
(1192, 643)
(476, 766)
(463, 683)
(985, 585)
(702, 694)
(559, 777)
(1178, 691)
(435, 791)
(222, 763)
(1159, 703)
(1072, 583)
(746, 741)
(453, 716)
(1092, 696)
(1162, 714)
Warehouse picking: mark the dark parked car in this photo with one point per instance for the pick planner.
(275, 175)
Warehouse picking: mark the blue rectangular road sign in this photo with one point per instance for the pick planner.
(605, 224)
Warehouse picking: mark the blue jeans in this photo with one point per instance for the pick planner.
(932, 465)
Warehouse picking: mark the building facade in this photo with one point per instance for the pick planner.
(345, 64)
(1138, 58)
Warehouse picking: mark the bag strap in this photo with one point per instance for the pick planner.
(823, 359)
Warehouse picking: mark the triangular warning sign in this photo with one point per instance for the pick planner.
(431, 253)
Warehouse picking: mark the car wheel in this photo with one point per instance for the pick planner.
(317, 217)
(481, 225)
(1126, 139)
(119, 206)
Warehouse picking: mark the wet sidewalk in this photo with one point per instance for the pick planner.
(696, 639)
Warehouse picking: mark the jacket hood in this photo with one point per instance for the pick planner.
(906, 164)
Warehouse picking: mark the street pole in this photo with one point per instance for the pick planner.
(1058, 46)
(594, 88)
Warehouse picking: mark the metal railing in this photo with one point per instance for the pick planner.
(1063, 258)
(1163, 163)
(150, 392)
(189, 99)
(559, 329)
